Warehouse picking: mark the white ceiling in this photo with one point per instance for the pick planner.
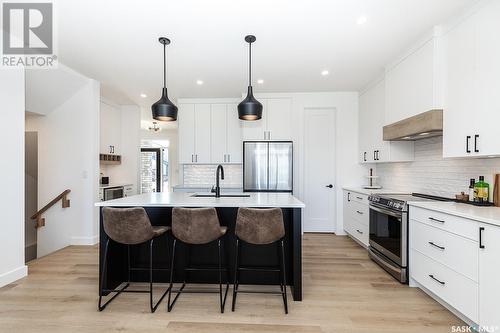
(115, 42)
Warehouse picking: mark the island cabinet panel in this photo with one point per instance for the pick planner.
(251, 255)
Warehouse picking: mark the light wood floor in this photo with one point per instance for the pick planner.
(344, 291)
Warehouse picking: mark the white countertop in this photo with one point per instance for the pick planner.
(366, 191)
(180, 199)
(114, 185)
(490, 215)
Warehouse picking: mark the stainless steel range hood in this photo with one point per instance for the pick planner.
(421, 126)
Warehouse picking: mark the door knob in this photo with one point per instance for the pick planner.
(329, 186)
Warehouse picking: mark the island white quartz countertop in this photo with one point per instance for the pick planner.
(180, 199)
(490, 215)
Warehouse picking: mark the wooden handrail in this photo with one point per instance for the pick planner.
(40, 222)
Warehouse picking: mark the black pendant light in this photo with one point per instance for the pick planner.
(250, 108)
(164, 109)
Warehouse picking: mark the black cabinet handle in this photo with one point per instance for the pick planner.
(359, 198)
(378, 158)
(364, 156)
(435, 245)
(361, 213)
(475, 143)
(432, 277)
(467, 150)
(481, 229)
(436, 220)
(359, 232)
(329, 186)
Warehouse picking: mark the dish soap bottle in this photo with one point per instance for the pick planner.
(482, 190)
(472, 191)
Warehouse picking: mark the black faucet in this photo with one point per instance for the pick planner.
(218, 174)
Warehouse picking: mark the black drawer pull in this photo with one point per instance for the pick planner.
(481, 229)
(359, 198)
(435, 245)
(432, 277)
(436, 220)
(359, 232)
(359, 212)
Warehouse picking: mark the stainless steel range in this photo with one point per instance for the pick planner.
(388, 239)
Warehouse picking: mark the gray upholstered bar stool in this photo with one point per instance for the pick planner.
(197, 226)
(260, 227)
(129, 226)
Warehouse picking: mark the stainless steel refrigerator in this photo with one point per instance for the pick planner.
(267, 166)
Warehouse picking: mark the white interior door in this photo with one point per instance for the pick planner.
(319, 170)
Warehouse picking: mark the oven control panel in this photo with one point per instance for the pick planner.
(390, 203)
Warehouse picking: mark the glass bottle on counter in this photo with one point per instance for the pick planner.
(482, 190)
(472, 191)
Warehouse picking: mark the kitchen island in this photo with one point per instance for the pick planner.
(159, 209)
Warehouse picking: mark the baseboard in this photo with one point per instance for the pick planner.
(13, 275)
(92, 240)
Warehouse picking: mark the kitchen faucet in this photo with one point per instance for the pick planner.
(218, 174)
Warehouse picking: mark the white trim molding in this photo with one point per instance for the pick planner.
(92, 240)
(13, 275)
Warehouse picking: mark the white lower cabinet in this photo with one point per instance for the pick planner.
(489, 276)
(356, 213)
(457, 259)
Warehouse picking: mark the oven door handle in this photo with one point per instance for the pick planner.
(386, 211)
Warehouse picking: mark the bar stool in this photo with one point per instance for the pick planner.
(260, 227)
(129, 226)
(197, 226)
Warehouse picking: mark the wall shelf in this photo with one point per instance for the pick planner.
(110, 159)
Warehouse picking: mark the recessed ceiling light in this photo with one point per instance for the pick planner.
(143, 95)
(407, 138)
(325, 72)
(260, 81)
(361, 20)
(425, 133)
(199, 82)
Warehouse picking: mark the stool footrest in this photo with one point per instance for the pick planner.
(259, 269)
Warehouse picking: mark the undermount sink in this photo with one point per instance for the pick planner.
(226, 195)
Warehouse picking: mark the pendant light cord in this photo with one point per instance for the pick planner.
(250, 64)
(164, 66)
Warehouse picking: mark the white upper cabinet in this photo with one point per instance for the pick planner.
(472, 84)
(414, 83)
(276, 122)
(219, 139)
(110, 129)
(234, 146)
(226, 134)
(372, 148)
(202, 143)
(209, 132)
(186, 133)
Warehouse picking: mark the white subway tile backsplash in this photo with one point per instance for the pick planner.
(431, 174)
(204, 174)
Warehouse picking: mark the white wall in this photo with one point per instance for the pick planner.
(430, 173)
(12, 107)
(68, 159)
(129, 136)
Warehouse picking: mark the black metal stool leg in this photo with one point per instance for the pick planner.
(169, 308)
(283, 269)
(101, 287)
(236, 272)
